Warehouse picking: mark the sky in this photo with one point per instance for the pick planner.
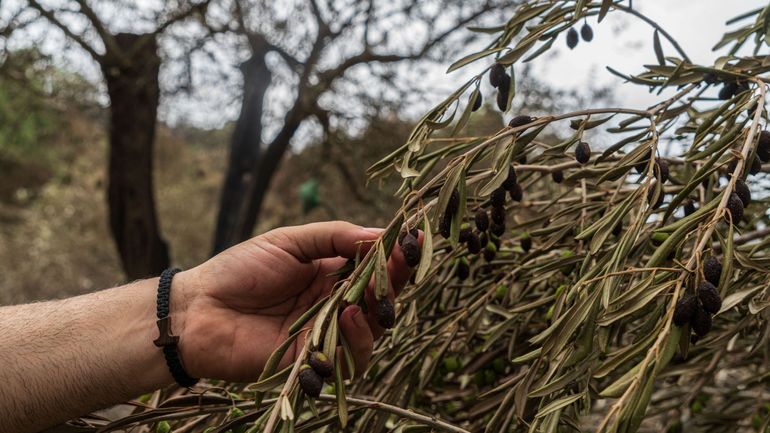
(625, 43)
(620, 41)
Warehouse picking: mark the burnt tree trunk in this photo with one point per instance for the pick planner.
(268, 164)
(132, 83)
(245, 152)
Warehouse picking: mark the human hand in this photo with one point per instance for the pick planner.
(232, 311)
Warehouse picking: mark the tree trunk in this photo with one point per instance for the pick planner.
(245, 151)
(132, 84)
(257, 190)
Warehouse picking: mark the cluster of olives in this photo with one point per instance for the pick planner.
(490, 225)
(697, 309)
(572, 35)
(732, 88)
(500, 80)
(312, 374)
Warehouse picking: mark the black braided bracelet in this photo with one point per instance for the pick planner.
(166, 340)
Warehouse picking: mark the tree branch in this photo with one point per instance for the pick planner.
(395, 410)
(323, 26)
(104, 34)
(367, 56)
(51, 17)
(183, 15)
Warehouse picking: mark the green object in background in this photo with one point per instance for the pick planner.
(308, 195)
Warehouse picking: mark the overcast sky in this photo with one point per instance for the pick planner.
(621, 41)
(624, 42)
(696, 24)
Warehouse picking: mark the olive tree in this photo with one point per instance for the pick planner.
(559, 286)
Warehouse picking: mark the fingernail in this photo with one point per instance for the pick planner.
(358, 317)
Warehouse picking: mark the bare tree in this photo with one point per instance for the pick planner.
(130, 64)
(319, 43)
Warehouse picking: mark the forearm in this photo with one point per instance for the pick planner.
(65, 358)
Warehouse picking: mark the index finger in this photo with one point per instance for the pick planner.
(321, 240)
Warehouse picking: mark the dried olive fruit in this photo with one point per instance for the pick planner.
(321, 364)
(731, 166)
(685, 310)
(709, 297)
(557, 176)
(454, 203)
(414, 231)
(497, 198)
(465, 232)
(756, 166)
(502, 94)
(497, 75)
(385, 313)
(310, 382)
(572, 38)
(641, 166)
(651, 196)
(712, 270)
(735, 206)
(587, 32)
(582, 152)
(490, 251)
(763, 146)
(700, 322)
(520, 120)
(482, 220)
(510, 180)
(517, 194)
(689, 207)
(763, 154)
(410, 248)
(661, 170)
(462, 270)
(498, 215)
(473, 243)
(445, 225)
(710, 78)
(497, 229)
(728, 90)
(483, 239)
(477, 103)
(743, 192)
(526, 243)
(742, 87)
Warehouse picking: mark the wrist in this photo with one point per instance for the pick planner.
(183, 292)
(143, 361)
(185, 288)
